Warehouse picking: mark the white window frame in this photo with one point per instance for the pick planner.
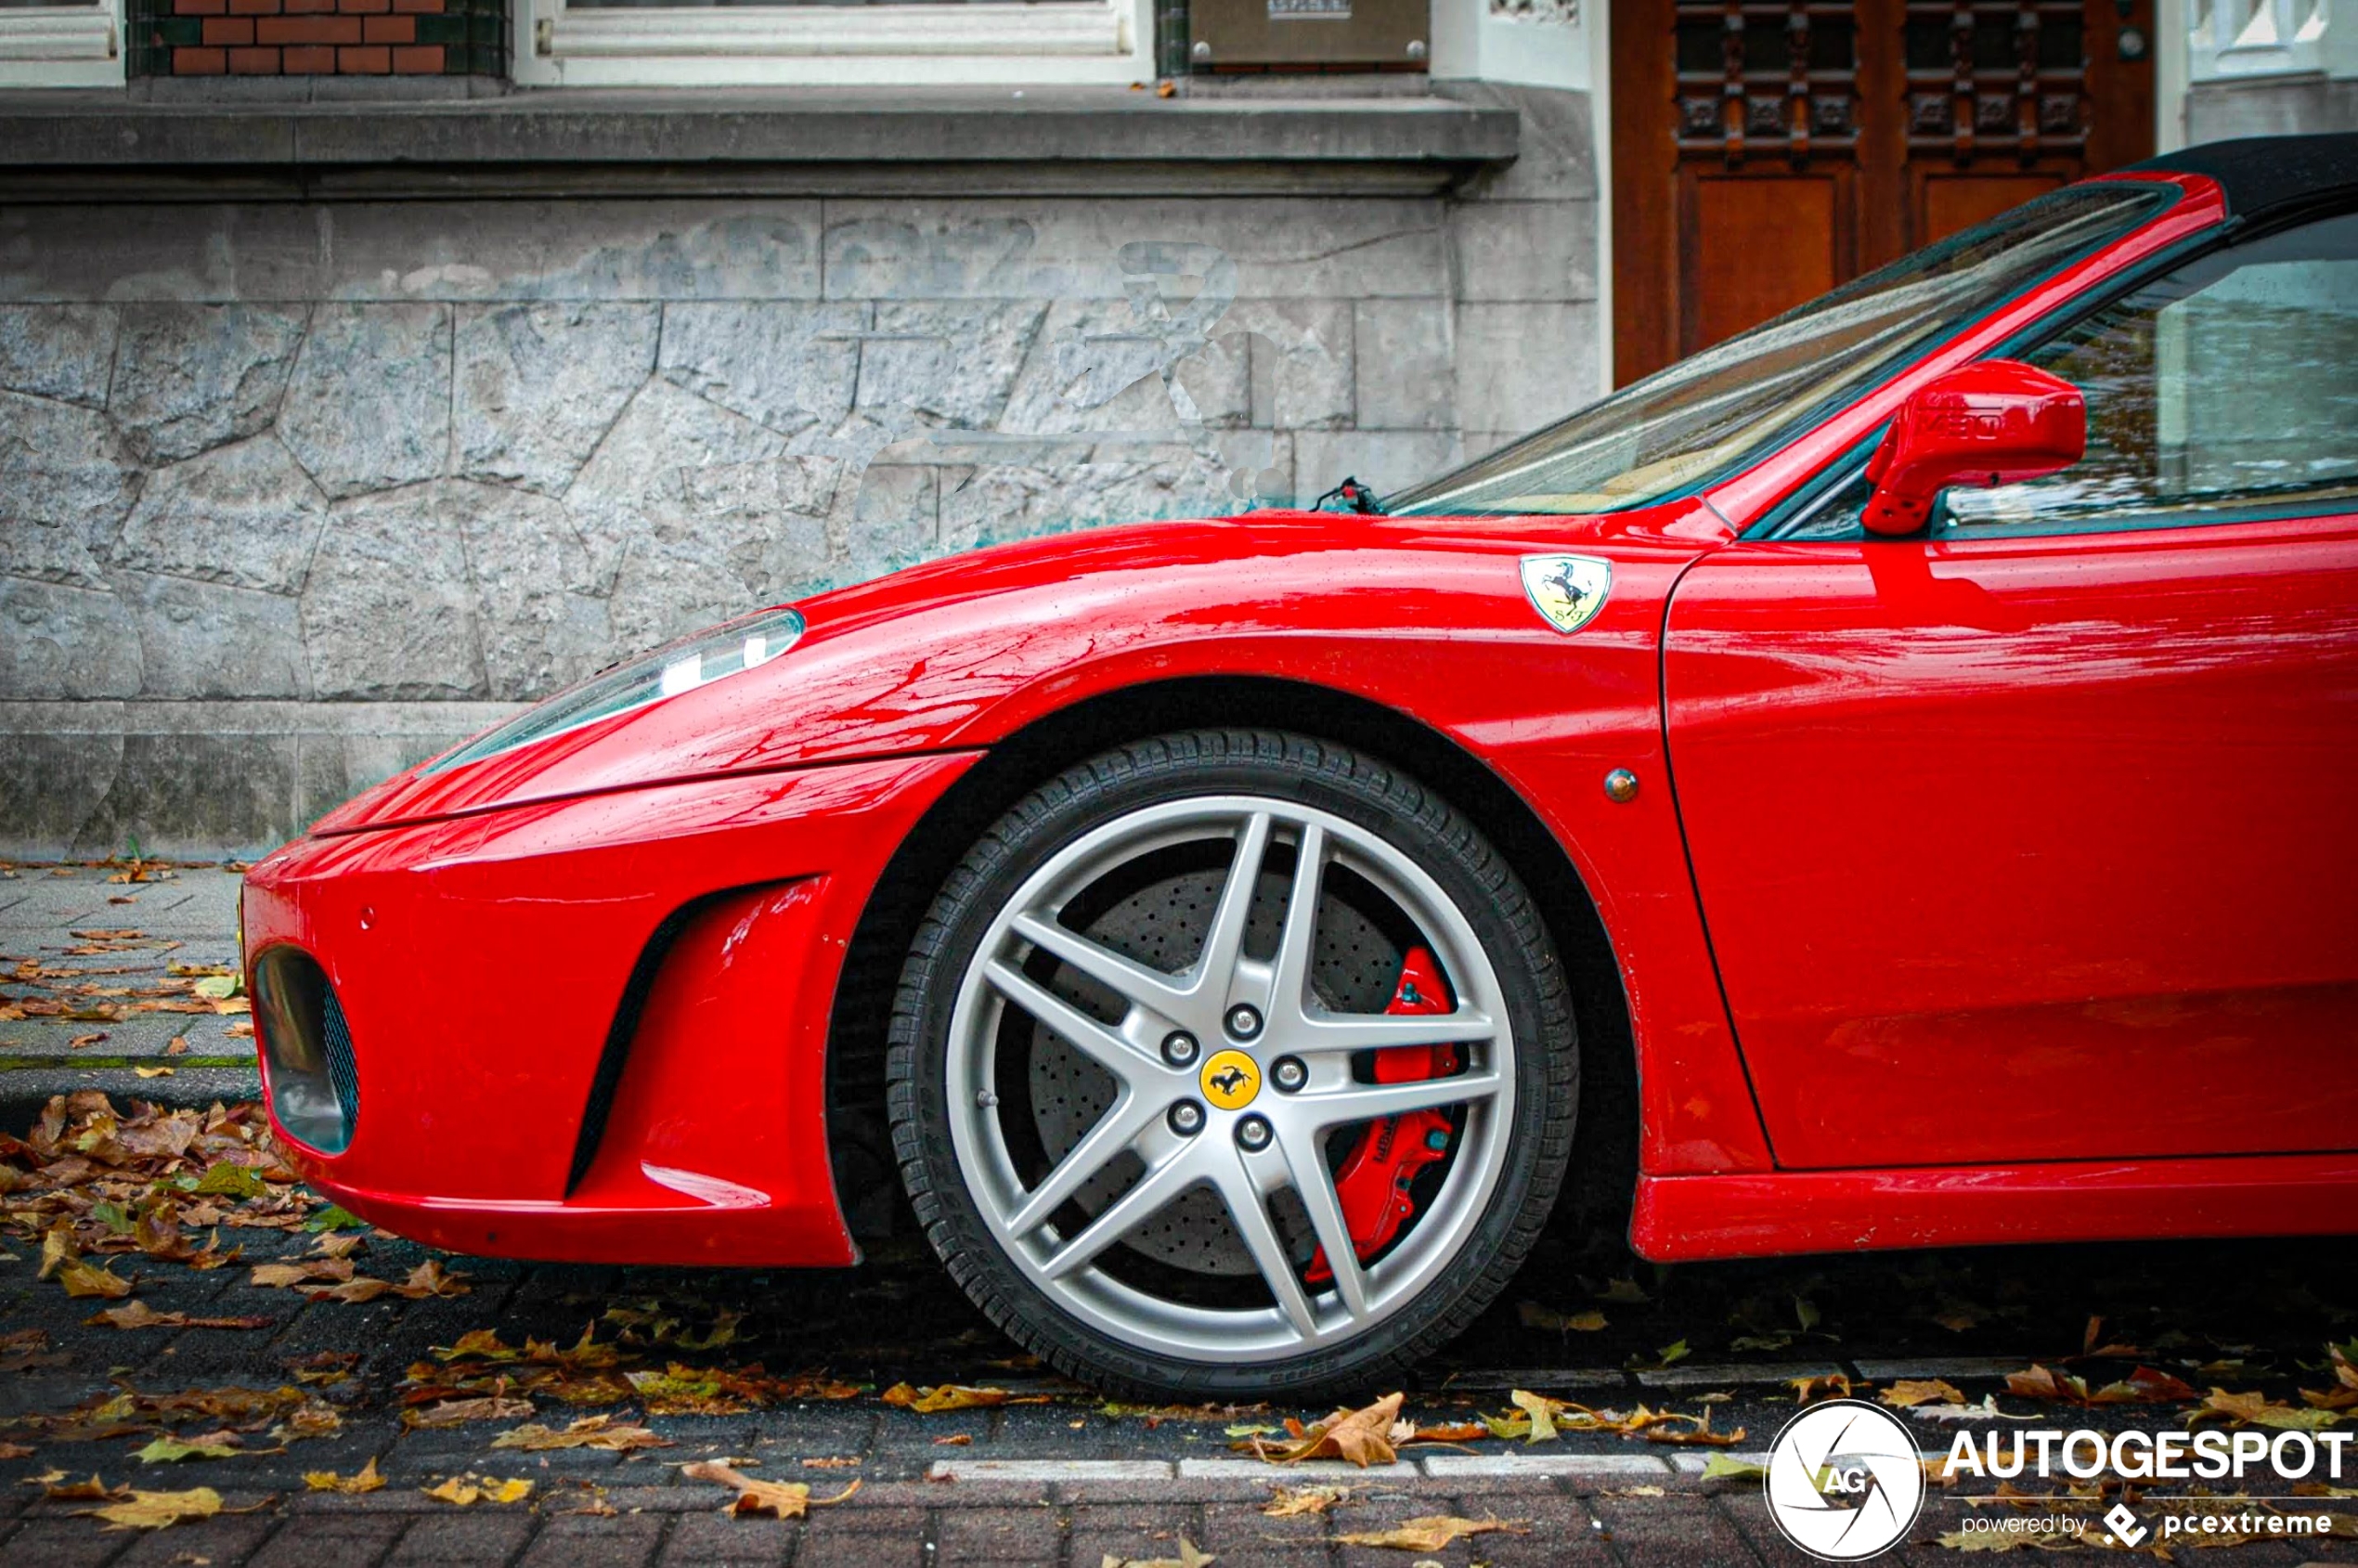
(1074, 42)
(62, 45)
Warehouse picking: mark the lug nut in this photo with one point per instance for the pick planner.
(1179, 1047)
(1288, 1074)
(1252, 1133)
(1185, 1119)
(1244, 1021)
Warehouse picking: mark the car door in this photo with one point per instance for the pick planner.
(2036, 838)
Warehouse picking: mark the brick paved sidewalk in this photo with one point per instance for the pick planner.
(189, 917)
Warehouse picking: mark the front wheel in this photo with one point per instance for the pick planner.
(1232, 1063)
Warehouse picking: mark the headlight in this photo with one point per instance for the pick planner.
(694, 661)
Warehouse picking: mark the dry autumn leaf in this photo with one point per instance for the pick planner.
(1719, 1467)
(469, 1489)
(457, 1412)
(139, 1314)
(302, 1271)
(2257, 1409)
(2144, 1386)
(81, 1278)
(1429, 1532)
(1289, 1501)
(2042, 1382)
(1815, 1386)
(172, 1450)
(781, 1500)
(946, 1396)
(156, 1511)
(1907, 1393)
(590, 1432)
(1363, 1437)
(365, 1480)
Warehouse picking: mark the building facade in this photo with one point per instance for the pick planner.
(369, 367)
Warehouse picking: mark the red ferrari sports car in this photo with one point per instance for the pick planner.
(1891, 779)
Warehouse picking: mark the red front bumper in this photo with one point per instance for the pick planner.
(486, 967)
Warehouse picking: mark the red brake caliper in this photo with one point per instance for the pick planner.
(1373, 1183)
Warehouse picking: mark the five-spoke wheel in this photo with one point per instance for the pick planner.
(1153, 1019)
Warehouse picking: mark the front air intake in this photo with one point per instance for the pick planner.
(314, 1086)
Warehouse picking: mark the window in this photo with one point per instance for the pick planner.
(2227, 387)
(53, 43)
(831, 43)
(1680, 426)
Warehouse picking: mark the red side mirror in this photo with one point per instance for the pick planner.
(1999, 421)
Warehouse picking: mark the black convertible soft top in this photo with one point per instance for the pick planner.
(2260, 174)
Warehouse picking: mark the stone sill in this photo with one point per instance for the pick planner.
(83, 146)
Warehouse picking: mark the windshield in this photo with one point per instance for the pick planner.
(1678, 426)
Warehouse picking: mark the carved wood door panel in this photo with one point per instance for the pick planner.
(1764, 154)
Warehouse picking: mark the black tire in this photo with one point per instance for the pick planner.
(1297, 768)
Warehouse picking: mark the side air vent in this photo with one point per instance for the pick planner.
(315, 1088)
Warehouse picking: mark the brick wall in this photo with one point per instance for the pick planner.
(320, 38)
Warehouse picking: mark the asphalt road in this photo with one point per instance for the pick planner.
(1052, 1475)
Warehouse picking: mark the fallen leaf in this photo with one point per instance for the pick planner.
(1429, 1532)
(590, 1432)
(229, 1179)
(1541, 1412)
(301, 1272)
(781, 1500)
(465, 1490)
(2144, 1386)
(429, 1279)
(179, 1046)
(2040, 1383)
(156, 1511)
(946, 1396)
(366, 1480)
(1907, 1393)
(1719, 1467)
(139, 1314)
(1362, 1437)
(79, 1041)
(313, 1418)
(154, 1072)
(170, 1450)
(457, 1412)
(15, 1451)
(91, 1279)
(1288, 1501)
(955, 1440)
(57, 1248)
(1675, 1350)
(2257, 1409)
(1815, 1386)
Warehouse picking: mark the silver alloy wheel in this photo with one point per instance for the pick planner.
(1220, 1154)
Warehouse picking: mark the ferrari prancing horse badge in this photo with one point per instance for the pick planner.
(1567, 590)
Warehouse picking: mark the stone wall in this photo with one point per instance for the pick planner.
(294, 494)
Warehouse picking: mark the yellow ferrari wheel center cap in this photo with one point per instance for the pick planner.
(1230, 1080)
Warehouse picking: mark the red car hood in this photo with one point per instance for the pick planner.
(957, 653)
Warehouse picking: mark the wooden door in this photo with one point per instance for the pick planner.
(1764, 154)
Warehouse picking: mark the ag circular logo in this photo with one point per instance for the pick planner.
(1230, 1080)
(1844, 1481)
